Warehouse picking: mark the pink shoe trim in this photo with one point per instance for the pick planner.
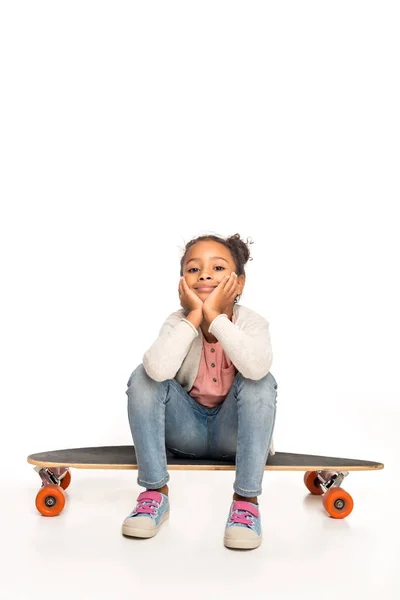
(242, 505)
(150, 495)
(148, 502)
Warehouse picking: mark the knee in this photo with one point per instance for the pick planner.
(268, 388)
(139, 379)
(270, 381)
(134, 374)
(143, 391)
(264, 388)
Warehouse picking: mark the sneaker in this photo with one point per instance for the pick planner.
(243, 527)
(152, 509)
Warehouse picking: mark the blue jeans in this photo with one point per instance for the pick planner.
(163, 415)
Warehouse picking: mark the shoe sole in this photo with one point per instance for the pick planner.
(144, 533)
(242, 544)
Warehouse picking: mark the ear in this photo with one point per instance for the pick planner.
(241, 281)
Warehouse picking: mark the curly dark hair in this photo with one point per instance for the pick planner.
(237, 247)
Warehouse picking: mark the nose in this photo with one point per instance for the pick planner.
(202, 277)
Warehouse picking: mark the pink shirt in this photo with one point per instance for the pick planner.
(215, 375)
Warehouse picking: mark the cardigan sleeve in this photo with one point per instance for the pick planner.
(248, 348)
(164, 357)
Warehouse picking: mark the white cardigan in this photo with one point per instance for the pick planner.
(176, 352)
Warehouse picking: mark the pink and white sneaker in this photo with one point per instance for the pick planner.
(243, 527)
(151, 510)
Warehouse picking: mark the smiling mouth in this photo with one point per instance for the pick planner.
(204, 289)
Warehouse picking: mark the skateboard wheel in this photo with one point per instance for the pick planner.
(66, 480)
(50, 500)
(337, 502)
(312, 483)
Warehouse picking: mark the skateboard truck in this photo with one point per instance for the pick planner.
(330, 479)
(51, 477)
(50, 499)
(336, 501)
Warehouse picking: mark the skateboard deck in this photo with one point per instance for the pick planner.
(323, 474)
(124, 457)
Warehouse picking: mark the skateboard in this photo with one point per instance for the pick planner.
(323, 474)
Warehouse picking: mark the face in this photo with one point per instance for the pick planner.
(206, 264)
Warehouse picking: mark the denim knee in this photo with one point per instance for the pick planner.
(139, 377)
(268, 380)
(143, 391)
(271, 381)
(266, 386)
(137, 374)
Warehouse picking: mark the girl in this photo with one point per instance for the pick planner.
(204, 390)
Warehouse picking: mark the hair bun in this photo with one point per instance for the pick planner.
(241, 247)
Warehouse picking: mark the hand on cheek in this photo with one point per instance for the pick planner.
(222, 297)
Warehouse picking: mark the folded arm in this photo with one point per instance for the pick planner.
(164, 357)
(249, 349)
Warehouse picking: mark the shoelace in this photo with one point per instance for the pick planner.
(146, 506)
(244, 517)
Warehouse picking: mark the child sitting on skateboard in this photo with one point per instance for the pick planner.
(205, 391)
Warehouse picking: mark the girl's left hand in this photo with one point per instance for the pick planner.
(223, 295)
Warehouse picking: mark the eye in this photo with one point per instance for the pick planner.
(218, 267)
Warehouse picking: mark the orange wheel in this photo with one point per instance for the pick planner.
(66, 480)
(337, 502)
(50, 500)
(312, 483)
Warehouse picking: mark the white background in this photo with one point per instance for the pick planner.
(127, 129)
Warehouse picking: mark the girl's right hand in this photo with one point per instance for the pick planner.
(188, 299)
